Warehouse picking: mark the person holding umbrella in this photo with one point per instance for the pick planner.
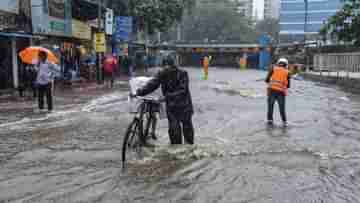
(45, 61)
(44, 81)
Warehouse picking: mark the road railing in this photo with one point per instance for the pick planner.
(340, 65)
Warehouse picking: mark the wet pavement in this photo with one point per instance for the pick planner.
(73, 154)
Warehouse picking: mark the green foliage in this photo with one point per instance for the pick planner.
(152, 15)
(345, 24)
(220, 23)
(157, 15)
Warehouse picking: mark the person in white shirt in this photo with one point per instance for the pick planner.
(44, 80)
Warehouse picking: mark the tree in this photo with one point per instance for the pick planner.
(270, 27)
(152, 15)
(219, 23)
(345, 24)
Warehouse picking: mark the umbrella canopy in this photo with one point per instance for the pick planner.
(30, 55)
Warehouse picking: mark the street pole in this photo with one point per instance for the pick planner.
(130, 35)
(306, 19)
(98, 67)
(305, 30)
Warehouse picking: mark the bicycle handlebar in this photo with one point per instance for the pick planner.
(149, 98)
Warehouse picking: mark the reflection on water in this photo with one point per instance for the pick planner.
(237, 158)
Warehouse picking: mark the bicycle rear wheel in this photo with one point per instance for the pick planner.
(132, 143)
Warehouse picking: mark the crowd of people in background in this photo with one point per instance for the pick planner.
(113, 67)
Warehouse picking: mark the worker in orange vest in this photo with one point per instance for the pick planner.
(206, 63)
(278, 79)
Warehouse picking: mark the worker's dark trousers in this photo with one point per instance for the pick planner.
(180, 123)
(280, 98)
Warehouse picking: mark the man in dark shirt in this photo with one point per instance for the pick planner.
(174, 84)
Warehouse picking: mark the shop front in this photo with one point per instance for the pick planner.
(51, 21)
(15, 29)
(69, 38)
(6, 72)
(82, 40)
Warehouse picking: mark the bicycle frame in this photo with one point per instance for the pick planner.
(147, 107)
(136, 130)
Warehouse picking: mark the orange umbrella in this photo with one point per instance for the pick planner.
(30, 55)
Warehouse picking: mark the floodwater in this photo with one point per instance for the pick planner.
(74, 154)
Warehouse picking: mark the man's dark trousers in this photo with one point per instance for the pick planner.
(180, 123)
(45, 90)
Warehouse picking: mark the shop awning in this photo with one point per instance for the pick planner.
(9, 34)
(85, 10)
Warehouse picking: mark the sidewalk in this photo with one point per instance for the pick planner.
(13, 107)
(342, 74)
(349, 81)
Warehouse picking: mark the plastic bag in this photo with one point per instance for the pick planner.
(138, 82)
(134, 104)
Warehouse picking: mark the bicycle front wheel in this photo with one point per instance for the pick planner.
(132, 143)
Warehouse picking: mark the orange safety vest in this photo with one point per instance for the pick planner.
(279, 79)
(206, 62)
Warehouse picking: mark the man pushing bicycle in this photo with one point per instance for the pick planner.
(174, 84)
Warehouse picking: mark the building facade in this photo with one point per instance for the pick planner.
(15, 34)
(271, 9)
(59, 25)
(292, 18)
(244, 7)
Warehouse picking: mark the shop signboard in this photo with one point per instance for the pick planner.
(109, 21)
(199, 50)
(81, 30)
(100, 42)
(52, 17)
(93, 23)
(123, 28)
(57, 26)
(11, 6)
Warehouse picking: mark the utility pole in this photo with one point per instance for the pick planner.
(159, 37)
(99, 77)
(178, 31)
(306, 19)
(305, 30)
(130, 35)
(179, 25)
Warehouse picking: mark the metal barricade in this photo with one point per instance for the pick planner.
(339, 64)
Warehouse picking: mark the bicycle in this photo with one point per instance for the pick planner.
(137, 133)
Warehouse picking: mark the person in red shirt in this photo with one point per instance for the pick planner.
(110, 64)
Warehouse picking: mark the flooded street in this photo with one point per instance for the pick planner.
(74, 154)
